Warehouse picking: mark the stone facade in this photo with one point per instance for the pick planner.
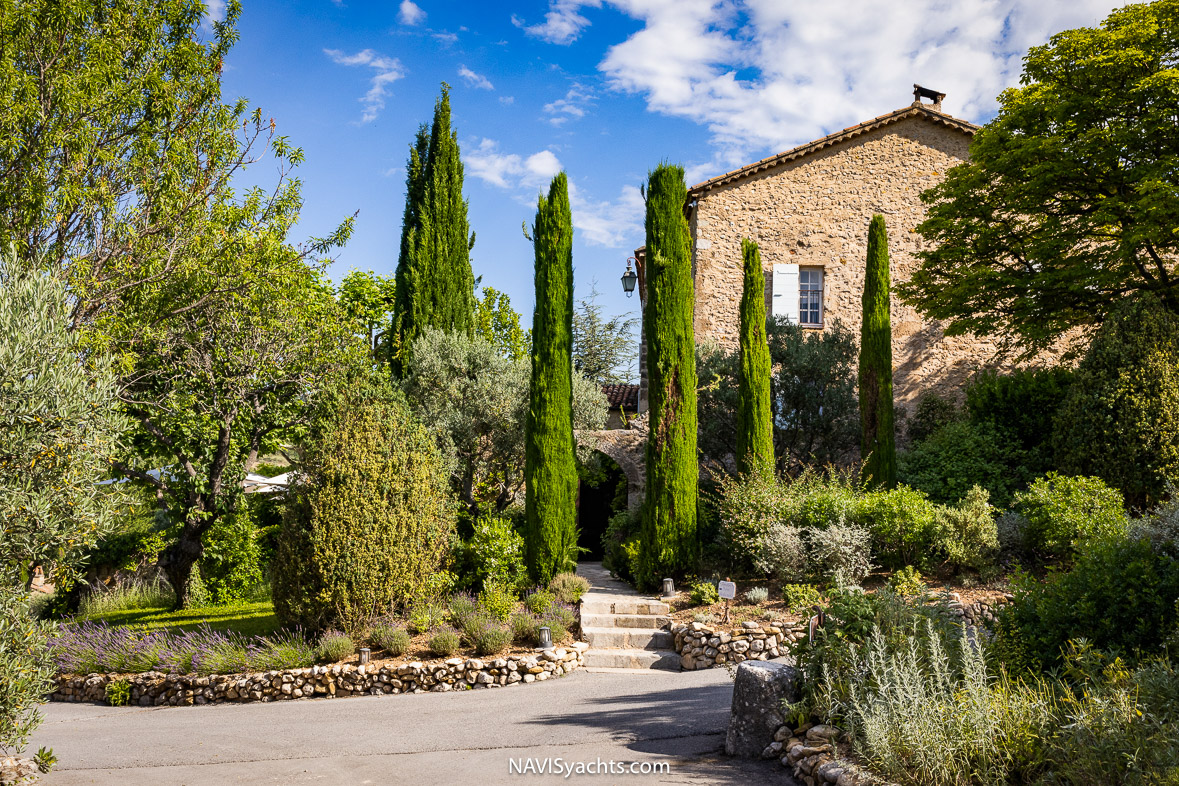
(702, 646)
(811, 206)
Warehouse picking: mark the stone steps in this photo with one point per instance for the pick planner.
(643, 621)
(630, 659)
(623, 605)
(625, 631)
(632, 639)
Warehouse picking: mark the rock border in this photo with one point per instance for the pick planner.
(703, 646)
(157, 689)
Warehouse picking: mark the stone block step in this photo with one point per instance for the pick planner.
(623, 605)
(622, 621)
(628, 638)
(631, 659)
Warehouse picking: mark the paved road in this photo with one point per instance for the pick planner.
(430, 738)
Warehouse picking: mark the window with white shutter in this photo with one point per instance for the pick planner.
(784, 299)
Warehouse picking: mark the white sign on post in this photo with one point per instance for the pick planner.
(727, 590)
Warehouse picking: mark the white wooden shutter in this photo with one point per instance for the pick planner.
(784, 302)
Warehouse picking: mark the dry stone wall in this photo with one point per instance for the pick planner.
(155, 688)
(814, 211)
(703, 646)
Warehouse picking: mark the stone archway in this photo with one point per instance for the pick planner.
(627, 448)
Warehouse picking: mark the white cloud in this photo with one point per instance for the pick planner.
(574, 105)
(475, 80)
(214, 12)
(611, 223)
(562, 24)
(408, 13)
(388, 70)
(507, 99)
(765, 75)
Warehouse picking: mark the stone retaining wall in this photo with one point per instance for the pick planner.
(155, 688)
(702, 646)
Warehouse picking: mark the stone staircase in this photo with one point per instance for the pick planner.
(625, 630)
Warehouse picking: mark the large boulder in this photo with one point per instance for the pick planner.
(761, 689)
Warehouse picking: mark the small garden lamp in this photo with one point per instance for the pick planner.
(545, 634)
(668, 588)
(629, 278)
(364, 653)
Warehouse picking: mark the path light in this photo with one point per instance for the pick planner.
(546, 637)
(364, 653)
(629, 277)
(668, 588)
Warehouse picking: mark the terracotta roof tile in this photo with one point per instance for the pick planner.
(622, 395)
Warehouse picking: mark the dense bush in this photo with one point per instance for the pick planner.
(757, 595)
(960, 455)
(901, 521)
(369, 520)
(444, 642)
(232, 562)
(965, 535)
(498, 602)
(704, 593)
(757, 531)
(1021, 406)
(26, 668)
(1061, 513)
(427, 614)
(569, 587)
(906, 582)
(841, 554)
(930, 415)
(620, 544)
(800, 596)
(495, 554)
(524, 628)
(1120, 595)
(1120, 420)
(492, 639)
(538, 601)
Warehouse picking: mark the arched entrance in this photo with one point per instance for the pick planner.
(601, 493)
(627, 448)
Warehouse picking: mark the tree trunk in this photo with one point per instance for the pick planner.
(178, 560)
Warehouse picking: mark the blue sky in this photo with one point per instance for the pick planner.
(603, 89)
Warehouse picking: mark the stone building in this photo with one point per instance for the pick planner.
(809, 209)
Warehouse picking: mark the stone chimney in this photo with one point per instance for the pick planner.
(920, 92)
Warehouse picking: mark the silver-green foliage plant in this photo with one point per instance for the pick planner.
(841, 554)
(757, 595)
(967, 534)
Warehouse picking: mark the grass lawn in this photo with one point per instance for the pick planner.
(250, 619)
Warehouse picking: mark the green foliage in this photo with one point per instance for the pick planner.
(425, 615)
(369, 521)
(498, 602)
(877, 432)
(1082, 152)
(492, 640)
(434, 283)
(902, 524)
(26, 668)
(800, 596)
(524, 628)
(476, 403)
(603, 349)
(757, 595)
(906, 582)
(334, 647)
(499, 324)
(390, 638)
(539, 601)
(496, 554)
(669, 541)
(561, 621)
(930, 415)
(550, 461)
(812, 393)
(755, 427)
(1021, 406)
(620, 544)
(966, 534)
(759, 529)
(367, 300)
(704, 593)
(1065, 514)
(231, 564)
(961, 455)
(569, 587)
(445, 642)
(1120, 594)
(118, 693)
(44, 759)
(840, 554)
(1120, 420)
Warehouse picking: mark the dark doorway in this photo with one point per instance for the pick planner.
(601, 494)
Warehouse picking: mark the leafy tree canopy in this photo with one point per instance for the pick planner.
(604, 349)
(496, 321)
(367, 299)
(1071, 196)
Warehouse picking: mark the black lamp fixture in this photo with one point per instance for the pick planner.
(629, 278)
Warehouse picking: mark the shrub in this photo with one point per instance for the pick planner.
(390, 638)
(966, 534)
(704, 593)
(559, 615)
(26, 668)
(841, 555)
(1021, 406)
(620, 544)
(369, 520)
(232, 561)
(118, 693)
(1063, 512)
(569, 587)
(492, 639)
(539, 600)
(1120, 419)
(461, 607)
(756, 532)
(962, 454)
(497, 554)
(757, 595)
(289, 651)
(1120, 595)
(906, 582)
(524, 627)
(930, 415)
(444, 642)
(800, 596)
(426, 615)
(901, 521)
(497, 602)
(333, 647)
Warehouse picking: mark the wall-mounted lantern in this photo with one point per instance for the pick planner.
(629, 278)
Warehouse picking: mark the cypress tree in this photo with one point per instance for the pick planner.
(668, 541)
(877, 446)
(550, 544)
(755, 426)
(435, 284)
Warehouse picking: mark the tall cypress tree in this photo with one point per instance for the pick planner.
(669, 541)
(550, 468)
(878, 441)
(755, 426)
(435, 284)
